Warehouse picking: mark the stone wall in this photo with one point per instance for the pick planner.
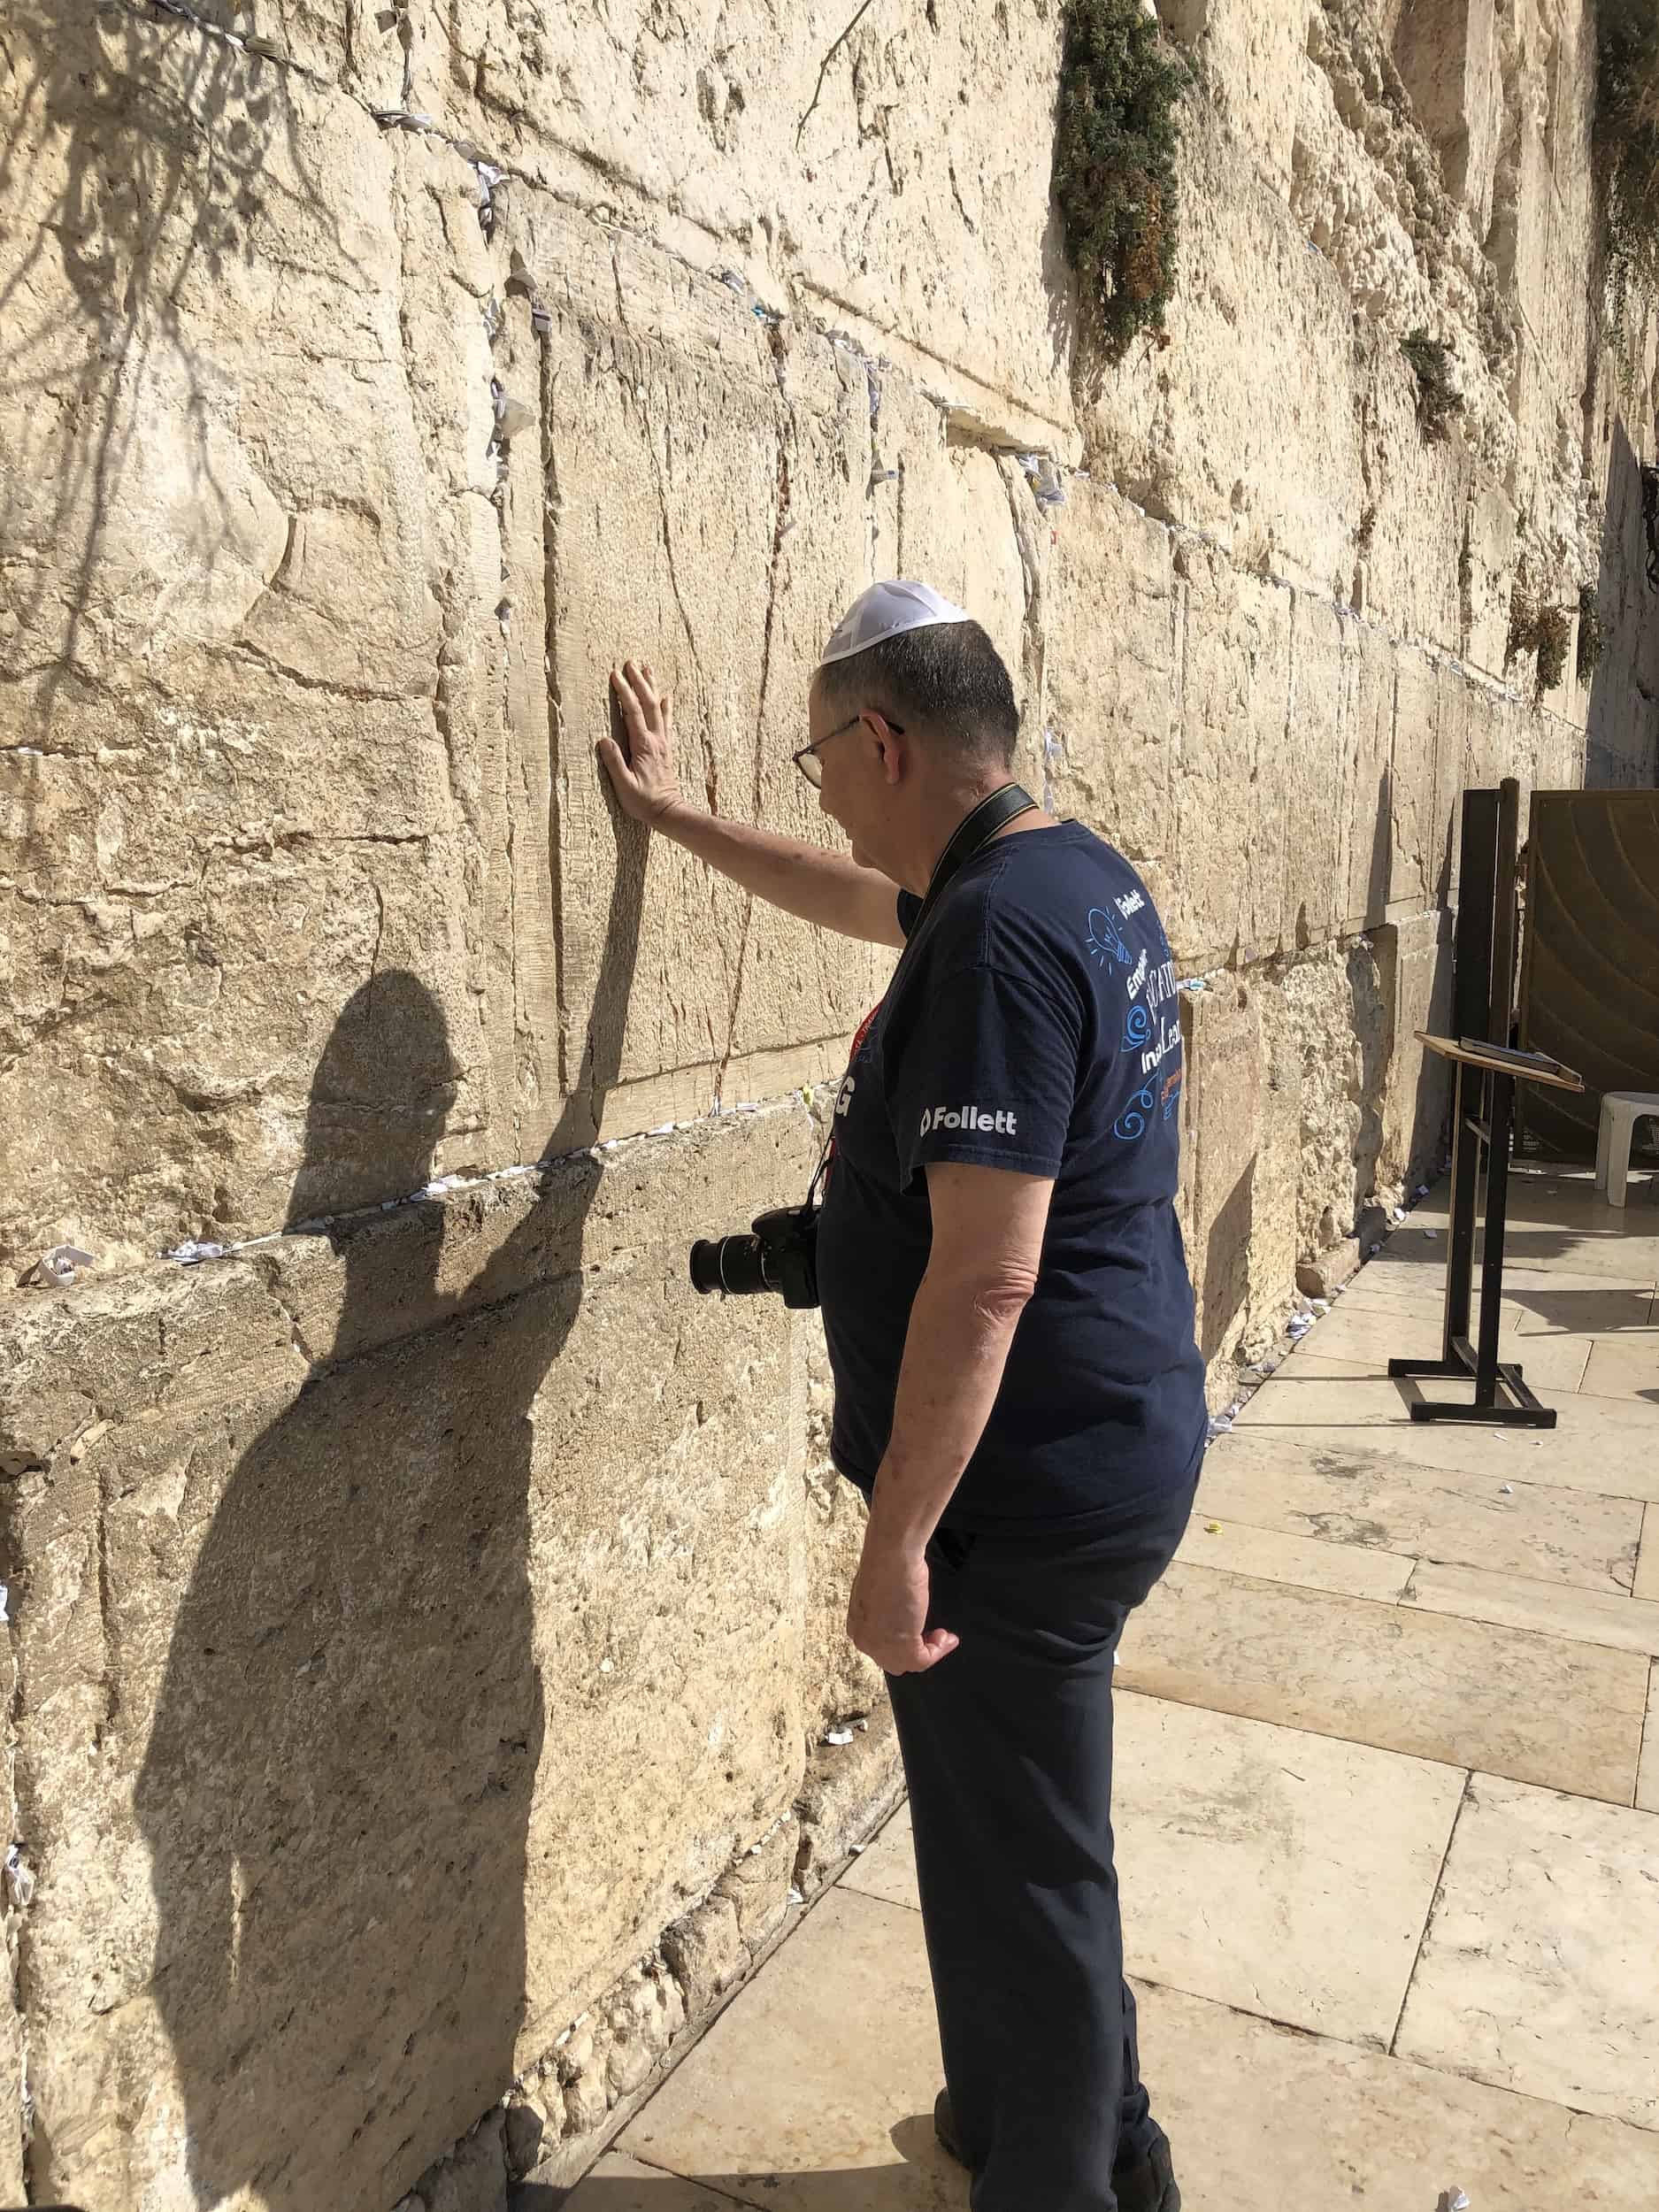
(425, 1612)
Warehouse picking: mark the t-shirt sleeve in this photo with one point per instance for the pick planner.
(988, 1076)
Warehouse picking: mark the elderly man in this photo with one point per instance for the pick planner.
(1009, 1324)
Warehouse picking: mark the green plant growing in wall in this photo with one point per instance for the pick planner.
(1439, 399)
(1625, 140)
(1592, 631)
(1538, 627)
(1117, 134)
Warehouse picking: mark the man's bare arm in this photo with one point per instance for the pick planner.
(988, 1225)
(824, 888)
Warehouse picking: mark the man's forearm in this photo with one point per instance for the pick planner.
(956, 1349)
(820, 886)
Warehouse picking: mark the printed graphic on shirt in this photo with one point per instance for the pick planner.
(1150, 1033)
(1000, 1125)
(1106, 938)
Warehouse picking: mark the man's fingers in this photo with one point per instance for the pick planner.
(633, 712)
(639, 675)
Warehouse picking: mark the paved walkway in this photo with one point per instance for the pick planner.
(1388, 1834)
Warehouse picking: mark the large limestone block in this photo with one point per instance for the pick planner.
(1487, 578)
(1313, 764)
(365, 1720)
(1335, 1011)
(1220, 1119)
(1449, 61)
(705, 482)
(1257, 54)
(1244, 425)
(964, 518)
(893, 173)
(225, 799)
(1411, 529)
(1367, 814)
(1441, 719)
(1418, 1091)
(178, 493)
(1226, 900)
(1110, 673)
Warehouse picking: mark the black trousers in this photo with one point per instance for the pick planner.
(1008, 1753)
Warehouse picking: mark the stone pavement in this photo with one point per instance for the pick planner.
(1390, 1836)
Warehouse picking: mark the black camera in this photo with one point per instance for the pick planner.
(781, 1255)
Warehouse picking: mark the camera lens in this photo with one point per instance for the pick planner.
(736, 1265)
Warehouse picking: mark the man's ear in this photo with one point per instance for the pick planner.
(889, 745)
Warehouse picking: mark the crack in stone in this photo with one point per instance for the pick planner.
(780, 523)
(824, 65)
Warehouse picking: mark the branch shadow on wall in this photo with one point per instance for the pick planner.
(336, 1792)
(158, 142)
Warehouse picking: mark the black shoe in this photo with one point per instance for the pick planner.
(1150, 2187)
(945, 2127)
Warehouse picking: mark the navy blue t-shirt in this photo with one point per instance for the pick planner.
(1033, 1026)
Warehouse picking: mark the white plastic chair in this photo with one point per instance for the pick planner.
(1621, 1111)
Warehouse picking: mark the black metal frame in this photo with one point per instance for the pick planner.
(1483, 984)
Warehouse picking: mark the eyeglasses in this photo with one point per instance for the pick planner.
(807, 760)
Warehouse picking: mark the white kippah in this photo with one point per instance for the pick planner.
(884, 611)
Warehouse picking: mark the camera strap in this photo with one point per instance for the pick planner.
(971, 836)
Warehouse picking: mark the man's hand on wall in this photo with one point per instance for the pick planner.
(642, 777)
(887, 1619)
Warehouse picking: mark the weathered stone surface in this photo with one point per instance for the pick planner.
(848, 1790)
(474, 2178)
(858, 168)
(1220, 1100)
(1231, 429)
(1538, 1707)
(1527, 1980)
(338, 1669)
(1109, 751)
(706, 1951)
(1229, 824)
(1417, 1099)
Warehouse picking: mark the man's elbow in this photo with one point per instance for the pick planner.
(998, 1294)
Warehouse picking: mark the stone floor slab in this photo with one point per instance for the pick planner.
(887, 1868)
(1356, 1570)
(1553, 1308)
(1536, 1971)
(1286, 1874)
(1363, 1344)
(1626, 1251)
(1599, 1444)
(1648, 1772)
(1421, 1684)
(1583, 1617)
(1265, 2119)
(815, 2088)
(1338, 1487)
(1625, 1366)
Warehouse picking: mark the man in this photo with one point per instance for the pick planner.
(1010, 1325)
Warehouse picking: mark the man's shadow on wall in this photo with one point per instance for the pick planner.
(336, 1791)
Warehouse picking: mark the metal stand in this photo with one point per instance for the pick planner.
(1482, 999)
(1500, 1394)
